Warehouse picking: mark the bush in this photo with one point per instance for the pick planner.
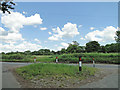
(88, 57)
(16, 57)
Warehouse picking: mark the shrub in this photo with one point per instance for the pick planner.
(88, 57)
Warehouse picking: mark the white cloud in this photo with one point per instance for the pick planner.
(65, 45)
(49, 33)
(82, 38)
(56, 45)
(68, 31)
(35, 26)
(92, 28)
(24, 12)
(59, 48)
(24, 46)
(12, 37)
(107, 35)
(44, 28)
(9, 37)
(1, 12)
(15, 21)
(3, 32)
(38, 41)
(118, 28)
(80, 26)
(54, 38)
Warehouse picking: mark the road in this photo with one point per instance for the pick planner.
(110, 81)
(8, 79)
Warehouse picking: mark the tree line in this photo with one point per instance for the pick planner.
(92, 46)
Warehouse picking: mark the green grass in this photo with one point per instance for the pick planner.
(110, 58)
(45, 58)
(16, 58)
(27, 58)
(87, 57)
(41, 70)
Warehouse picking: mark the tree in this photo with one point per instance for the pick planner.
(112, 48)
(46, 52)
(2, 53)
(92, 46)
(73, 48)
(58, 52)
(75, 43)
(117, 38)
(80, 49)
(6, 5)
(53, 52)
(108, 48)
(28, 52)
(102, 49)
(63, 50)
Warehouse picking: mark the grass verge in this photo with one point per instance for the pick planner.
(56, 71)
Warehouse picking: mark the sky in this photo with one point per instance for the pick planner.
(66, 0)
(52, 25)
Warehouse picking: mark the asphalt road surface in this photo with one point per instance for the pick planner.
(8, 79)
(110, 81)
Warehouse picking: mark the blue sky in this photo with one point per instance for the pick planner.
(62, 22)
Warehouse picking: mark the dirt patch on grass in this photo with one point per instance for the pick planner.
(24, 83)
(61, 82)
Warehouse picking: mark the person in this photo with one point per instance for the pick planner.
(34, 59)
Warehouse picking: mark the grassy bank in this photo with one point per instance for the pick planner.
(40, 70)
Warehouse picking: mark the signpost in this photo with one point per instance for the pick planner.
(80, 64)
(93, 63)
(56, 59)
(34, 59)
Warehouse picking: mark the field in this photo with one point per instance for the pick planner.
(110, 58)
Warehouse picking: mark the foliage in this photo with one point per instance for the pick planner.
(102, 54)
(6, 5)
(75, 48)
(42, 52)
(102, 49)
(92, 46)
(63, 50)
(112, 48)
(117, 38)
(47, 70)
(16, 57)
(88, 58)
(65, 58)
